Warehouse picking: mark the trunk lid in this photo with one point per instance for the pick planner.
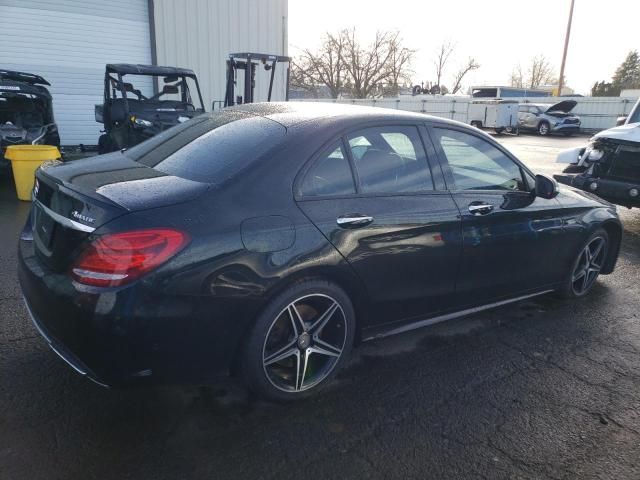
(72, 200)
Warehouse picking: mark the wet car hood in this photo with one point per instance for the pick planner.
(627, 133)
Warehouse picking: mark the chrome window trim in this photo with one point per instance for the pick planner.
(67, 222)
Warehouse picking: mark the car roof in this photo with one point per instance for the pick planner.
(136, 69)
(290, 114)
(23, 77)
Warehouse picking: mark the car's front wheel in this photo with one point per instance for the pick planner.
(544, 128)
(299, 341)
(587, 265)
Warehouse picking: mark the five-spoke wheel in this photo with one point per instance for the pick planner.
(588, 263)
(304, 343)
(588, 266)
(300, 340)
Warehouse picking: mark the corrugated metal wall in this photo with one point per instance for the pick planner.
(596, 113)
(199, 34)
(69, 42)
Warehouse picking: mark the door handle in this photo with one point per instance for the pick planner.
(355, 220)
(480, 208)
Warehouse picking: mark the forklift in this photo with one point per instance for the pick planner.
(249, 63)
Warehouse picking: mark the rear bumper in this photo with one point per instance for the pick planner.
(136, 334)
(614, 191)
(62, 352)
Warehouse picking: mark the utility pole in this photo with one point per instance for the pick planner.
(566, 47)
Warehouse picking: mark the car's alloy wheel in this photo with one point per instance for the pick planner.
(543, 128)
(304, 343)
(588, 266)
(299, 341)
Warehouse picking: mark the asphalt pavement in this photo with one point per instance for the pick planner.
(542, 389)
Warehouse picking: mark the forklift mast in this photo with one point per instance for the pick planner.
(249, 62)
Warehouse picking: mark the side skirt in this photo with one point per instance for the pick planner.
(450, 316)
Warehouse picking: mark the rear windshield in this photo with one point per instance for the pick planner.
(209, 148)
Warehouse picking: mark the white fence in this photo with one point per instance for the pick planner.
(596, 113)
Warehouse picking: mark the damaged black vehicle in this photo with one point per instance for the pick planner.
(26, 112)
(141, 101)
(609, 165)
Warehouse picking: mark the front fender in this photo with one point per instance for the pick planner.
(570, 156)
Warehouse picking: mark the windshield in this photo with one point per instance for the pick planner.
(171, 90)
(209, 148)
(24, 110)
(635, 114)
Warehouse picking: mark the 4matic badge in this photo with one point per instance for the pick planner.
(84, 218)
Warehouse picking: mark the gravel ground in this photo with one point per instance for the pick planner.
(540, 389)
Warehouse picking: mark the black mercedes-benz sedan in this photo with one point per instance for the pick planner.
(264, 241)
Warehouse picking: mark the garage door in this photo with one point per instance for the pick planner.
(68, 42)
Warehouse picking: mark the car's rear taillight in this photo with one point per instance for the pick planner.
(118, 258)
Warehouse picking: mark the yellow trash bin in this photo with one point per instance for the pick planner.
(25, 160)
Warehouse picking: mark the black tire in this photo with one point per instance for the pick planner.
(476, 124)
(104, 144)
(544, 128)
(499, 130)
(587, 281)
(291, 346)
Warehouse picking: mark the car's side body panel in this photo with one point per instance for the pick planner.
(251, 238)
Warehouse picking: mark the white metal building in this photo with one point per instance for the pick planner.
(68, 42)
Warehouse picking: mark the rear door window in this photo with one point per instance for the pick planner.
(390, 159)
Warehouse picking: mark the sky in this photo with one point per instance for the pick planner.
(499, 34)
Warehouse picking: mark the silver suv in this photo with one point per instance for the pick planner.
(546, 119)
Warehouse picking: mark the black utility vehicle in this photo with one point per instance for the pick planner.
(26, 112)
(131, 113)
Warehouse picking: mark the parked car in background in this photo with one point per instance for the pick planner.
(266, 240)
(609, 165)
(26, 112)
(546, 119)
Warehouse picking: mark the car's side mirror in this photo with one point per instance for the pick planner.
(620, 121)
(546, 187)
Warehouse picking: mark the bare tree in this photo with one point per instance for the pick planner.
(517, 77)
(368, 67)
(344, 65)
(326, 67)
(470, 66)
(540, 72)
(442, 57)
(399, 65)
